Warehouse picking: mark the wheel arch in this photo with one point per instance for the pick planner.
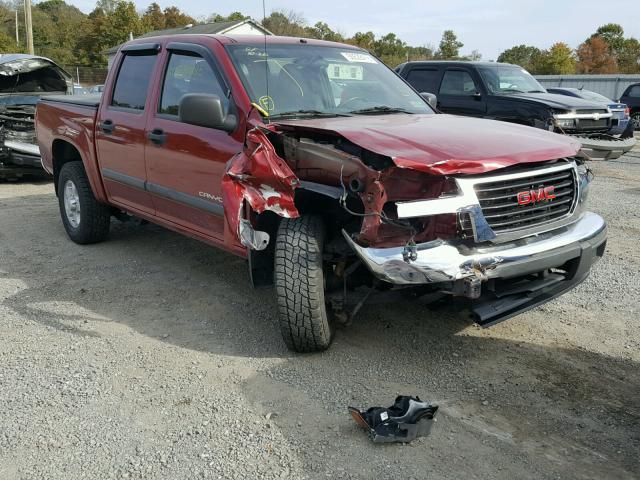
(310, 199)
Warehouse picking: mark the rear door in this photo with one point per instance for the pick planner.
(460, 94)
(120, 129)
(185, 162)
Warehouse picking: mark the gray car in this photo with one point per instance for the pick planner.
(23, 80)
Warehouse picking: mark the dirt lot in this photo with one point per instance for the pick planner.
(149, 356)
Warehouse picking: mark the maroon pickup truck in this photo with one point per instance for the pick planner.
(336, 180)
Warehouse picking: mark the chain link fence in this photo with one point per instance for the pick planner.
(87, 76)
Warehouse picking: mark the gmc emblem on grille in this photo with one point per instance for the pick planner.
(535, 196)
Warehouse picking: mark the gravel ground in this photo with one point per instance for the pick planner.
(149, 356)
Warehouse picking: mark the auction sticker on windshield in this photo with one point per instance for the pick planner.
(358, 57)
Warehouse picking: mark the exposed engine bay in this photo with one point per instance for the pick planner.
(23, 79)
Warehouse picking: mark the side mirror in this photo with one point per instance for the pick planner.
(430, 98)
(477, 96)
(205, 110)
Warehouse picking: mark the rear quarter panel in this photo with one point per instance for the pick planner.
(74, 124)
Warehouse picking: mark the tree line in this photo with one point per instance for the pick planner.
(70, 37)
(607, 50)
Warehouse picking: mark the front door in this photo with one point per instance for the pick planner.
(120, 131)
(460, 95)
(185, 162)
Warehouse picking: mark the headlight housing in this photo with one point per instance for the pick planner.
(562, 118)
(585, 175)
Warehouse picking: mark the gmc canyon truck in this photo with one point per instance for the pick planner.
(336, 180)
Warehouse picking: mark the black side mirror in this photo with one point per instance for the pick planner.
(205, 110)
(430, 98)
(477, 96)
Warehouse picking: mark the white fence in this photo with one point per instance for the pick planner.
(611, 86)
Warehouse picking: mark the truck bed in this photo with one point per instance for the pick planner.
(91, 101)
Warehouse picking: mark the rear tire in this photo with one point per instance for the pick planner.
(299, 283)
(635, 119)
(84, 218)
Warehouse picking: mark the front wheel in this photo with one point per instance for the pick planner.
(299, 283)
(85, 219)
(635, 119)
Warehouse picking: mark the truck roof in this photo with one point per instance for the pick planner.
(460, 62)
(257, 40)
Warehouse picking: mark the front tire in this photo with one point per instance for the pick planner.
(299, 283)
(84, 218)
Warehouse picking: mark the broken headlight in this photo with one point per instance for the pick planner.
(585, 175)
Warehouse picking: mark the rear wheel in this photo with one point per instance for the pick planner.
(84, 218)
(299, 283)
(635, 119)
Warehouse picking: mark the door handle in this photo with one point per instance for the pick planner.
(107, 126)
(157, 136)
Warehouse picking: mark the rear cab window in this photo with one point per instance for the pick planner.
(132, 84)
(634, 91)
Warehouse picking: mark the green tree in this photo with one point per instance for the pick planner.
(629, 56)
(290, 24)
(419, 53)
(55, 32)
(449, 46)
(234, 16)
(7, 43)
(364, 40)
(102, 31)
(174, 18)
(153, 18)
(107, 6)
(613, 34)
(322, 31)
(558, 60)
(390, 49)
(525, 56)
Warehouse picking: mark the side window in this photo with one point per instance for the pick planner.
(424, 79)
(457, 82)
(635, 91)
(188, 74)
(133, 80)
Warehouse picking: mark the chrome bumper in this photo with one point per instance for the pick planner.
(441, 261)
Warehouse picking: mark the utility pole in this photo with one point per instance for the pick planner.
(28, 26)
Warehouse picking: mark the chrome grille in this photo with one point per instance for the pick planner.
(591, 110)
(499, 201)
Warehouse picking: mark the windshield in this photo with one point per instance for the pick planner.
(307, 80)
(596, 97)
(505, 79)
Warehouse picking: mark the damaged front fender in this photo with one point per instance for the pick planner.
(259, 177)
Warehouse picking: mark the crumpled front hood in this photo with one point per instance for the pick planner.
(445, 144)
(21, 74)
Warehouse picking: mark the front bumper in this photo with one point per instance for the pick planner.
(440, 261)
(17, 159)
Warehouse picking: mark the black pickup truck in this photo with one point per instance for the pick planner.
(502, 91)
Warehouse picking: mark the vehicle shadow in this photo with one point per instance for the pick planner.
(510, 409)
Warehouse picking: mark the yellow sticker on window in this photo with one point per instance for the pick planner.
(267, 103)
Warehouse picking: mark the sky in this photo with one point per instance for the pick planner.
(489, 26)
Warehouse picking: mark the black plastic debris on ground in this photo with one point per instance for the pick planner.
(406, 419)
